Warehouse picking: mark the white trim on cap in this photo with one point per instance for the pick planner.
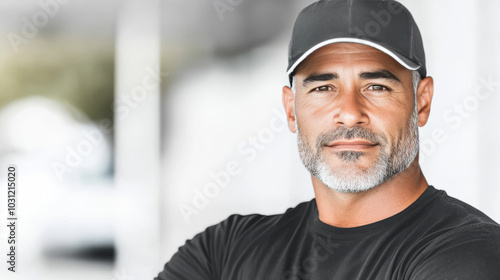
(350, 40)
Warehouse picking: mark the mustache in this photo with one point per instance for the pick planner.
(349, 133)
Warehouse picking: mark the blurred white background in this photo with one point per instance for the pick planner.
(116, 171)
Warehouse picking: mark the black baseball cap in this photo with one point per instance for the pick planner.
(384, 25)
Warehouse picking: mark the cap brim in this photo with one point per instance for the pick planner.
(405, 62)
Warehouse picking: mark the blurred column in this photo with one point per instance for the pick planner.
(137, 138)
(488, 40)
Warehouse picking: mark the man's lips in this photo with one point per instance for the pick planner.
(350, 145)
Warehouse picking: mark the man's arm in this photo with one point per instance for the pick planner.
(192, 261)
(203, 257)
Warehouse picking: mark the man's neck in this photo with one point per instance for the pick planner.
(349, 210)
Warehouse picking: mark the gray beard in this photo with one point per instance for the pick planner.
(354, 179)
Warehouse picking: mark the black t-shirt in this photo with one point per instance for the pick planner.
(436, 238)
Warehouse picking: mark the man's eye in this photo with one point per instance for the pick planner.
(378, 88)
(322, 88)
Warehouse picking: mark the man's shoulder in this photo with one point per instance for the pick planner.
(453, 221)
(468, 251)
(436, 206)
(461, 243)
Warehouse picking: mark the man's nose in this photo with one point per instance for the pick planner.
(350, 110)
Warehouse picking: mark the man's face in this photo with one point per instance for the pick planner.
(356, 116)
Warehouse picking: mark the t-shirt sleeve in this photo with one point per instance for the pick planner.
(203, 257)
(473, 253)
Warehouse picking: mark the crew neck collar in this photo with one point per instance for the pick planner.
(425, 198)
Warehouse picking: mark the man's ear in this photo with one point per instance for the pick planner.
(425, 91)
(288, 104)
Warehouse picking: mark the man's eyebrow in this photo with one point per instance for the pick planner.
(320, 78)
(380, 74)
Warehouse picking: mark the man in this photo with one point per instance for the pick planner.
(358, 93)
